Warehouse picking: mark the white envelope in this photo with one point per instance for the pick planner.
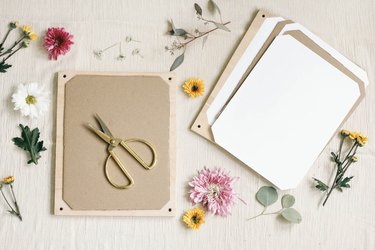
(286, 111)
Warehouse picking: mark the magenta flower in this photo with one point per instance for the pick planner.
(213, 189)
(57, 42)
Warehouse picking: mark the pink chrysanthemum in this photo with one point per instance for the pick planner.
(57, 42)
(213, 189)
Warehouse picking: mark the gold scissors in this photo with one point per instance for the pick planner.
(113, 142)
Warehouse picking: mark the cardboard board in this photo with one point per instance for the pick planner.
(139, 105)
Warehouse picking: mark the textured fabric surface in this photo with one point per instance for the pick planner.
(347, 221)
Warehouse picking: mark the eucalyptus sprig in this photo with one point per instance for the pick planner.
(268, 196)
(183, 38)
(23, 41)
(342, 163)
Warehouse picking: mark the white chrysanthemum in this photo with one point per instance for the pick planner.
(30, 99)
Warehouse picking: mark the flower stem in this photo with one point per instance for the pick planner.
(5, 37)
(15, 202)
(11, 54)
(263, 213)
(203, 34)
(14, 45)
(11, 208)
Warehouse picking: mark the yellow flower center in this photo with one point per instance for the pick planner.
(30, 99)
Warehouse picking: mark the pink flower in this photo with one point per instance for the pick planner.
(57, 42)
(213, 189)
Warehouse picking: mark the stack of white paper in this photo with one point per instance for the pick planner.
(279, 119)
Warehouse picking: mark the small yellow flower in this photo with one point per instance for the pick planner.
(29, 33)
(354, 158)
(193, 87)
(353, 135)
(25, 44)
(193, 218)
(345, 132)
(8, 180)
(361, 139)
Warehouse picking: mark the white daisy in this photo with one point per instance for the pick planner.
(30, 99)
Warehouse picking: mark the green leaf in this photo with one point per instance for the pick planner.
(345, 182)
(221, 26)
(175, 31)
(29, 142)
(266, 196)
(287, 201)
(177, 62)
(4, 67)
(198, 9)
(291, 215)
(213, 7)
(320, 185)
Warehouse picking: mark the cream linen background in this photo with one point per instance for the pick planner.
(347, 222)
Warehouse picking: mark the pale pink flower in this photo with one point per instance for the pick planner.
(213, 189)
(57, 42)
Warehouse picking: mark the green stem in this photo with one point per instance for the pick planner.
(5, 37)
(14, 45)
(11, 208)
(15, 201)
(11, 54)
(263, 213)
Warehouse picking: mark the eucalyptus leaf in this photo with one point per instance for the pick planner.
(177, 62)
(221, 26)
(287, 201)
(198, 9)
(213, 7)
(291, 215)
(204, 40)
(266, 196)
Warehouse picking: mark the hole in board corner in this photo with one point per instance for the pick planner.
(263, 16)
(170, 210)
(64, 76)
(170, 78)
(61, 209)
(199, 126)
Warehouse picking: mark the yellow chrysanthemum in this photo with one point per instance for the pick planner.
(8, 180)
(193, 218)
(354, 158)
(193, 87)
(29, 33)
(361, 139)
(345, 132)
(353, 135)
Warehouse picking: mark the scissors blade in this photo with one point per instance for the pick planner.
(102, 135)
(103, 126)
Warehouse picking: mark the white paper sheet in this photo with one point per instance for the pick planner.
(285, 112)
(241, 66)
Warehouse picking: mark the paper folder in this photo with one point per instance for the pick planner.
(225, 117)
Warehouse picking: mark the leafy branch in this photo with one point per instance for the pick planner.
(342, 164)
(268, 196)
(184, 38)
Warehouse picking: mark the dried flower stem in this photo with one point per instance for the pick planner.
(14, 45)
(5, 37)
(202, 34)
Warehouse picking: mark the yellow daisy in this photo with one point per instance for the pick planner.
(193, 87)
(8, 180)
(193, 218)
(361, 139)
(345, 132)
(29, 33)
(353, 135)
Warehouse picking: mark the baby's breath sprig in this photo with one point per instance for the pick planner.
(183, 38)
(121, 56)
(341, 181)
(8, 181)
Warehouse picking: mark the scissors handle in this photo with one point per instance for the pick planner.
(123, 169)
(136, 156)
